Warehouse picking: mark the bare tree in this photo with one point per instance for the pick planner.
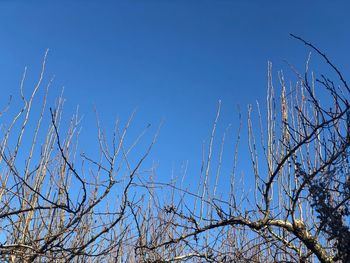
(299, 210)
(61, 206)
(55, 208)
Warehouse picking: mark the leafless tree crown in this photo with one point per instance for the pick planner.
(58, 205)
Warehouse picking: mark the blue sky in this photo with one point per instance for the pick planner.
(170, 60)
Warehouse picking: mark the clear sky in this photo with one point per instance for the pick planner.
(171, 60)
